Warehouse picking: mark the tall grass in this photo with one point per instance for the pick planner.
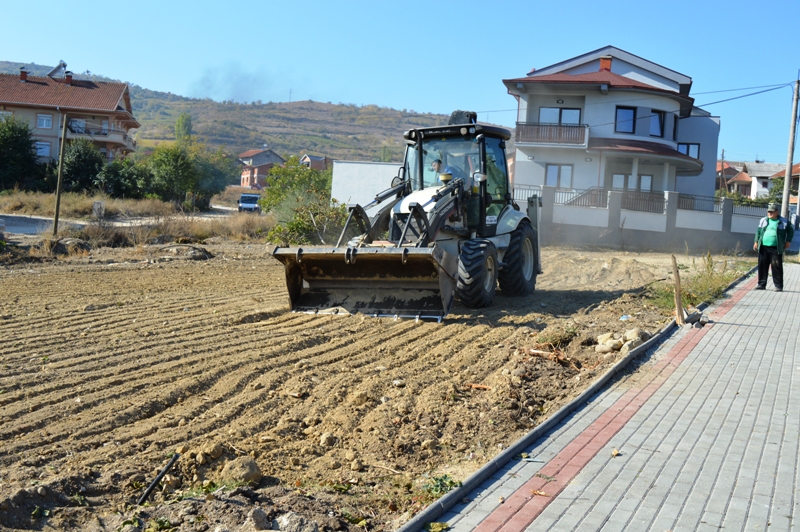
(77, 205)
(705, 281)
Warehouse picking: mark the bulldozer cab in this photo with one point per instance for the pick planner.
(474, 154)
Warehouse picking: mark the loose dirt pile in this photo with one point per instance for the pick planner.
(113, 360)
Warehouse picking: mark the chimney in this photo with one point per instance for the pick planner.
(605, 63)
(68, 77)
(23, 74)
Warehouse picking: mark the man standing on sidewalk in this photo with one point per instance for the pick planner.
(773, 237)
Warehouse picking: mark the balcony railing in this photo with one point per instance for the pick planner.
(541, 133)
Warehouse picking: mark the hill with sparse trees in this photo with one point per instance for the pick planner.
(340, 131)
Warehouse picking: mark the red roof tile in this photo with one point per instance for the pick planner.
(48, 92)
(741, 177)
(249, 153)
(782, 173)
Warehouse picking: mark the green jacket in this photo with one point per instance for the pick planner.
(785, 232)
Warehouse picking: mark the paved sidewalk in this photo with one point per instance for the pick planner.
(707, 434)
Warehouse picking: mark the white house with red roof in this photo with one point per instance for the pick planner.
(610, 120)
(98, 111)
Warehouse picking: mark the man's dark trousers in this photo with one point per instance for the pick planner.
(768, 256)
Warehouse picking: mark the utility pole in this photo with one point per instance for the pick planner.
(60, 171)
(788, 176)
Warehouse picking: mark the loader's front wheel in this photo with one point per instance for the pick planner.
(518, 276)
(477, 273)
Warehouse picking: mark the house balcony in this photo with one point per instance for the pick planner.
(101, 134)
(552, 135)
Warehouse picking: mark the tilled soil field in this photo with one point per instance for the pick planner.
(115, 359)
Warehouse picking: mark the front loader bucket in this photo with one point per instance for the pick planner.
(379, 281)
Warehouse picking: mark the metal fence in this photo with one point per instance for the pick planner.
(523, 192)
(590, 197)
(750, 210)
(644, 201)
(688, 202)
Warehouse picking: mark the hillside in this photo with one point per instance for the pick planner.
(341, 131)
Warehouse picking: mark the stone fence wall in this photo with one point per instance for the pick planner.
(673, 230)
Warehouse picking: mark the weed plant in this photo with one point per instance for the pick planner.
(705, 281)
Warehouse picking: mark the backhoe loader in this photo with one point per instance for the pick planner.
(447, 228)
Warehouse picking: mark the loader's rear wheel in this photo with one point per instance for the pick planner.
(518, 276)
(477, 273)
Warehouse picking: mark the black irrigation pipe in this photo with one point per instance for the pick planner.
(163, 472)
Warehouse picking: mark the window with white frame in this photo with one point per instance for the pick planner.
(44, 121)
(657, 123)
(690, 149)
(43, 149)
(558, 175)
(625, 120)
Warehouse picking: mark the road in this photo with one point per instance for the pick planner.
(34, 225)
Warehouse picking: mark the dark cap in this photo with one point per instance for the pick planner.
(773, 207)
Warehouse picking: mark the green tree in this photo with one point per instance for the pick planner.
(174, 172)
(124, 178)
(215, 170)
(17, 152)
(183, 128)
(300, 198)
(775, 194)
(82, 164)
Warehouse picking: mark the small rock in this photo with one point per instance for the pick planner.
(41, 490)
(356, 465)
(381, 368)
(182, 422)
(291, 522)
(350, 455)
(603, 348)
(519, 372)
(211, 497)
(603, 338)
(630, 345)
(704, 320)
(182, 449)
(295, 461)
(630, 334)
(202, 458)
(428, 444)
(242, 469)
(334, 464)
(398, 383)
(359, 398)
(616, 345)
(257, 385)
(138, 477)
(256, 520)
(327, 440)
(506, 371)
(214, 450)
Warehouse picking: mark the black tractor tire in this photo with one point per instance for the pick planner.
(477, 273)
(518, 276)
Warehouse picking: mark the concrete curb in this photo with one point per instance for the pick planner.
(442, 505)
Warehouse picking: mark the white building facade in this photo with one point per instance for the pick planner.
(610, 120)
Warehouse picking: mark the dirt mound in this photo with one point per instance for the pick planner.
(117, 358)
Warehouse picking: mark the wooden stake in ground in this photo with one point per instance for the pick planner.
(678, 304)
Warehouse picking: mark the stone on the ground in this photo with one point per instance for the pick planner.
(359, 398)
(256, 520)
(327, 439)
(214, 450)
(603, 348)
(356, 465)
(603, 338)
(616, 345)
(242, 469)
(291, 522)
(630, 345)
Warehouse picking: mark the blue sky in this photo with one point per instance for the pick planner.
(427, 56)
